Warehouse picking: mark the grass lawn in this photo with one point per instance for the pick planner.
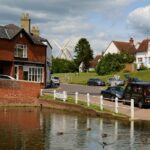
(81, 78)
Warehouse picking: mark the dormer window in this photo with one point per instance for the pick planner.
(21, 51)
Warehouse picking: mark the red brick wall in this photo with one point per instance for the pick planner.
(35, 53)
(19, 89)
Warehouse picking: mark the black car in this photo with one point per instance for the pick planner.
(139, 91)
(96, 82)
(113, 92)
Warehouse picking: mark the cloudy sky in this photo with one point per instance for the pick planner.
(100, 21)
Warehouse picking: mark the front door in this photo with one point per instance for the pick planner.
(16, 72)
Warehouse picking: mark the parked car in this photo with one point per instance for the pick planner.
(132, 79)
(96, 82)
(113, 92)
(114, 82)
(6, 77)
(139, 91)
(55, 81)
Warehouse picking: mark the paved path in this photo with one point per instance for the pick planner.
(142, 114)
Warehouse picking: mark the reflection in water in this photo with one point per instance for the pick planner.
(27, 128)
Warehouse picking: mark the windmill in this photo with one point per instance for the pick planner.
(65, 52)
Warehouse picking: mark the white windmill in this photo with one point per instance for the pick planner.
(65, 51)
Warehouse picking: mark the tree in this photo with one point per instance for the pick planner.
(84, 53)
(111, 63)
(63, 66)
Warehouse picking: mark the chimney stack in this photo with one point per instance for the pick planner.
(35, 31)
(25, 22)
(131, 40)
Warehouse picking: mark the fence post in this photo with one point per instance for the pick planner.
(88, 99)
(76, 97)
(41, 92)
(65, 96)
(116, 105)
(54, 94)
(101, 102)
(132, 109)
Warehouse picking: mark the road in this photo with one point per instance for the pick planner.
(142, 114)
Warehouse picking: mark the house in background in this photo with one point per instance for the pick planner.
(120, 46)
(23, 53)
(143, 54)
(94, 62)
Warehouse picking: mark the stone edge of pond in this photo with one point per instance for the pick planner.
(55, 104)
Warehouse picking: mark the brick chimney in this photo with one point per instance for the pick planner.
(25, 22)
(131, 40)
(35, 31)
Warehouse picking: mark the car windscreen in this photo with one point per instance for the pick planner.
(55, 78)
(119, 89)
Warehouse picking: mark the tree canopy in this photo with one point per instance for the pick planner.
(83, 53)
(63, 66)
(111, 63)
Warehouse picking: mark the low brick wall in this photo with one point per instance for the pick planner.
(19, 89)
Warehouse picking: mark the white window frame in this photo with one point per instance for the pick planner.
(20, 48)
(35, 74)
(149, 60)
(140, 61)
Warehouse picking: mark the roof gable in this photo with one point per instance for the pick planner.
(125, 47)
(10, 31)
(143, 47)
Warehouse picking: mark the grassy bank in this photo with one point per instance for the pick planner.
(82, 104)
(81, 78)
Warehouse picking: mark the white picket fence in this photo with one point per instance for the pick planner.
(63, 96)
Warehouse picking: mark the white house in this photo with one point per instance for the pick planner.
(119, 46)
(143, 54)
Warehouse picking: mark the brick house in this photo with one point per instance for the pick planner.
(23, 53)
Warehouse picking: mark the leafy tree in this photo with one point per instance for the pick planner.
(84, 53)
(111, 63)
(63, 66)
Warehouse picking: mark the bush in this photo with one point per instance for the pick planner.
(63, 66)
(142, 67)
(112, 63)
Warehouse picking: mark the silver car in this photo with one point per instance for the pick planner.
(114, 82)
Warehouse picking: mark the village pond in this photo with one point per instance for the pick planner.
(32, 128)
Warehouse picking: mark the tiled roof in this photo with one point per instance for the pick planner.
(94, 62)
(125, 46)
(11, 30)
(143, 46)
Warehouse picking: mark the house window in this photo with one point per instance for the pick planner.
(35, 74)
(140, 60)
(149, 60)
(21, 51)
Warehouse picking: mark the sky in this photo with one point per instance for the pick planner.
(99, 21)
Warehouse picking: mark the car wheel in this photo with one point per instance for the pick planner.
(140, 104)
(113, 98)
(124, 102)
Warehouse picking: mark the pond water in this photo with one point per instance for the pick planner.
(35, 129)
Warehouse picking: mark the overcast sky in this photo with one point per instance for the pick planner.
(100, 21)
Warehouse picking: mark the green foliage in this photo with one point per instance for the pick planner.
(142, 67)
(63, 66)
(111, 63)
(84, 53)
